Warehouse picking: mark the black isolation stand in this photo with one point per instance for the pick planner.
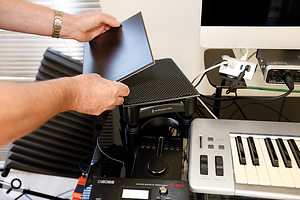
(161, 99)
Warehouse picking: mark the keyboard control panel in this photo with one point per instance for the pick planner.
(210, 163)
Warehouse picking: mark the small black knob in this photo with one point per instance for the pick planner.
(157, 167)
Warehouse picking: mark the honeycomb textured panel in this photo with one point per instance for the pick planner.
(161, 82)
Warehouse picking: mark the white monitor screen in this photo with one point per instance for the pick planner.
(250, 24)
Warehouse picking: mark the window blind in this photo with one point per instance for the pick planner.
(20, 54)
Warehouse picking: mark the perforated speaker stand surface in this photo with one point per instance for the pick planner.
(162, 82)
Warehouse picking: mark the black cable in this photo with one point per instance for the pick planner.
(251, 55)
(199, 112)
(203, 75)
(80, 162)
(219, 107)
(46, 196)
(133, 163)
(240, 109)
(259, 104)
(200, 79)
(281, 109)
(214, 85)
(288, 80)
(251, 98)
(122, 175)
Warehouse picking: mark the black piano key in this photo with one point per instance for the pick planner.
(284, 153)
(240, 149)
(272, 153)
(253, 151)
(295, 151)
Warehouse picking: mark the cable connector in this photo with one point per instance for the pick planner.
(288, 80)
(237, 81)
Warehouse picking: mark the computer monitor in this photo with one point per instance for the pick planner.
(252, 24)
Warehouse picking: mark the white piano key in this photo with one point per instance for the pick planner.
(261, 169)
(285, 173)
(249, 167)
(239, 170)
(298, 145)
(295, 171)
(273, 171)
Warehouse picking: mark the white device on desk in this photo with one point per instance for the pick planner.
(246, 158)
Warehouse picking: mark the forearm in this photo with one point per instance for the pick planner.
(24, 107)
(24, 16)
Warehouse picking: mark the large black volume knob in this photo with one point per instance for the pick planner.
(157, 167)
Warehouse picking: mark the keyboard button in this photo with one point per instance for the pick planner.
(250, 169)
(261, 169)
(295, 151)
(240, 150)
(271, 152)
(210, 146)
(273, 171)
(253, 151)
(203, 165)
(239, 170)
(285, 173)
(219, 165)
(221, 146)
(210, 139)
(284, 154)
(200, 142)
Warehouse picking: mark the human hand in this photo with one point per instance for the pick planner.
(92, 94)
(86, 26)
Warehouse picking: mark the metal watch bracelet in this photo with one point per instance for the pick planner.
(57, 24)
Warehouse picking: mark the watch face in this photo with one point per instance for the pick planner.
(57, 22)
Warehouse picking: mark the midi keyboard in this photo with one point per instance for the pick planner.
(245, 158)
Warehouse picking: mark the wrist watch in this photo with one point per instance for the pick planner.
(57, 24)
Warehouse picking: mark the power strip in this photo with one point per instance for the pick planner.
(234, 67)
